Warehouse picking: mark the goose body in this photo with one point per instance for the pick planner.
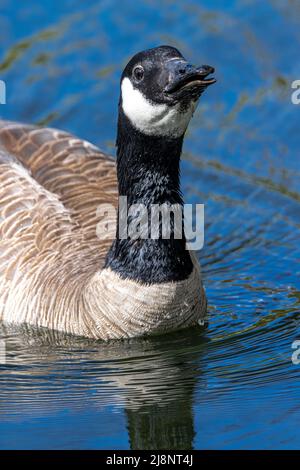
(55, 271)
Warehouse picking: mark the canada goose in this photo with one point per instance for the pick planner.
(55, 272)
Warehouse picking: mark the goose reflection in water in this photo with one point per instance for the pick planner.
(152, 379)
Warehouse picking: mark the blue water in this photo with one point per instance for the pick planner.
(234, 385)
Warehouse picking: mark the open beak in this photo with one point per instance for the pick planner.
(183, 76)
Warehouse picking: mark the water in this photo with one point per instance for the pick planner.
(234, 384)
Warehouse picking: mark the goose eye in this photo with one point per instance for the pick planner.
(138, 73)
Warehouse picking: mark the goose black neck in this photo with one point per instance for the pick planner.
(147, 166)
(148, 169)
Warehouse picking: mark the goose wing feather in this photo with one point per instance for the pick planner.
(75, 170)
(51, 185)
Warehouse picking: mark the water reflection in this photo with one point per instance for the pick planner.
(153, 379)
(167, 427)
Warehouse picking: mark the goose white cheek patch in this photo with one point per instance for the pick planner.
(151, 118)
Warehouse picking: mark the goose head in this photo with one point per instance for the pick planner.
(160, 91)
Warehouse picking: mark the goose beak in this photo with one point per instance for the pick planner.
(184, 76)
